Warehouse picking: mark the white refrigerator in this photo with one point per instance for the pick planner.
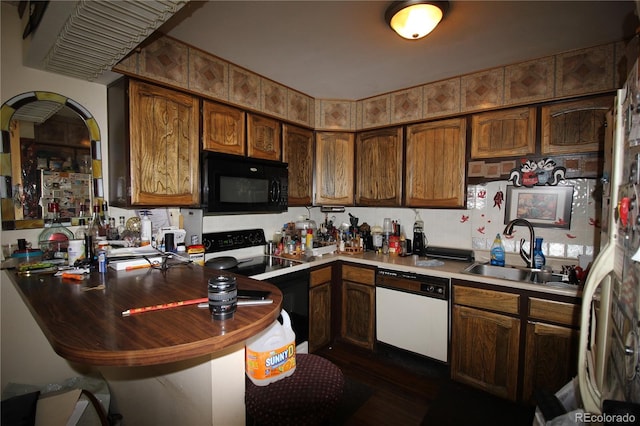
(609, 351)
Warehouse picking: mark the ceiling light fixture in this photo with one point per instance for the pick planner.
(414, 19)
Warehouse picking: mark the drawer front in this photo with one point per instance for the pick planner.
(487, 299)
(551, 310)
(359, 275)
(320, 276)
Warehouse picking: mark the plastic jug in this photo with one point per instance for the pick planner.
(271, 354)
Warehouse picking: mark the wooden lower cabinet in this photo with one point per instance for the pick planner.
(551, 354)
(484, 350)
(551, 350)
(358, 306)
(319, 308)
(511, 343)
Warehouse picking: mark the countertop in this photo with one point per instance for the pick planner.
(449, 269)
(83, 320)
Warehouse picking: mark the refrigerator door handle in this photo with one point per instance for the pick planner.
(599, 276)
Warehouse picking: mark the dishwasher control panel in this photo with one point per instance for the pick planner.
(424, 285)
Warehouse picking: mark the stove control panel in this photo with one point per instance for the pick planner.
(230, 240)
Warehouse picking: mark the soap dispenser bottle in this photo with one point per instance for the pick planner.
(538, 257)
(497, 252)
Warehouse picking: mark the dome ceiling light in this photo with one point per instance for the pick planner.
(414, 19)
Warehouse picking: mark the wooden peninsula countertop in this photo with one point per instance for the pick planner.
(83, 320)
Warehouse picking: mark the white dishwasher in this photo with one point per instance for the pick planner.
(412, 312)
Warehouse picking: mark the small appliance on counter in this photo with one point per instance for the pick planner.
(419, 238)
(178, 236)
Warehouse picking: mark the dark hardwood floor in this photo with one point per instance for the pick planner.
(403, 387)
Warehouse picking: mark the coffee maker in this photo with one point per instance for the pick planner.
(419, 238)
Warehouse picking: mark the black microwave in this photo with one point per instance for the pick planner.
(233, 184)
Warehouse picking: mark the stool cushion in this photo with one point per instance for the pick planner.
(307, 397)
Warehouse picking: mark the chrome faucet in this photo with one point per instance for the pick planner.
(527, 257)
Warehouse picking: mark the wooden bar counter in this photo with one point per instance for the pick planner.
(83, 320)
(163, 367)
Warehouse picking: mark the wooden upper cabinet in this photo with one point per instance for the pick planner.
(334, 168)
(223, 128)
(164, 146)
(297, 151)
(435, 164)
(263, 137)
(379, 167)
(504, 133)
(575, 127)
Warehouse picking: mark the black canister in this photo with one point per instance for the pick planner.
(223, 296)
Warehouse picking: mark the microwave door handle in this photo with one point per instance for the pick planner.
(275, 191)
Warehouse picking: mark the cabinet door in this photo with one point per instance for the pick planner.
(223, 128)
(551, 357)
(334, 168)
(505, 133)
(319, 308)
(164, 146)
(358, 305)
(379, 168)
(435, 164)
(263, 137)
(575, 127)
(484, 350)
(297, 151)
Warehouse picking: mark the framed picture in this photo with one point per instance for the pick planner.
(542, 206)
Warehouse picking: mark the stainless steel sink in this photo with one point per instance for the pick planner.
(519, 274)
(503, 272)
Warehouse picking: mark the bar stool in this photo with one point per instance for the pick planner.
(308, 397)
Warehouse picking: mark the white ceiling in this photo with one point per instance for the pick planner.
(345, 50)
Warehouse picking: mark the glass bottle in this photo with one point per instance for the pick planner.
(98, 228)
(112, 231)
(82, 230)
(97, 232)
(538, 257)
(54, 239)
(121, 226)
(82, 212)
(105, 213)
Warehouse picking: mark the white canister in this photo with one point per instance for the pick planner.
(75, 251)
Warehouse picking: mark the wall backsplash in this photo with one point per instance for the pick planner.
(476, 227)
(472, 228)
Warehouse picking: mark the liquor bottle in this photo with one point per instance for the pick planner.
(54, 239)
(97, 231)
(105, 213)
(112, 230)
(83, 229)
(82, 213)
